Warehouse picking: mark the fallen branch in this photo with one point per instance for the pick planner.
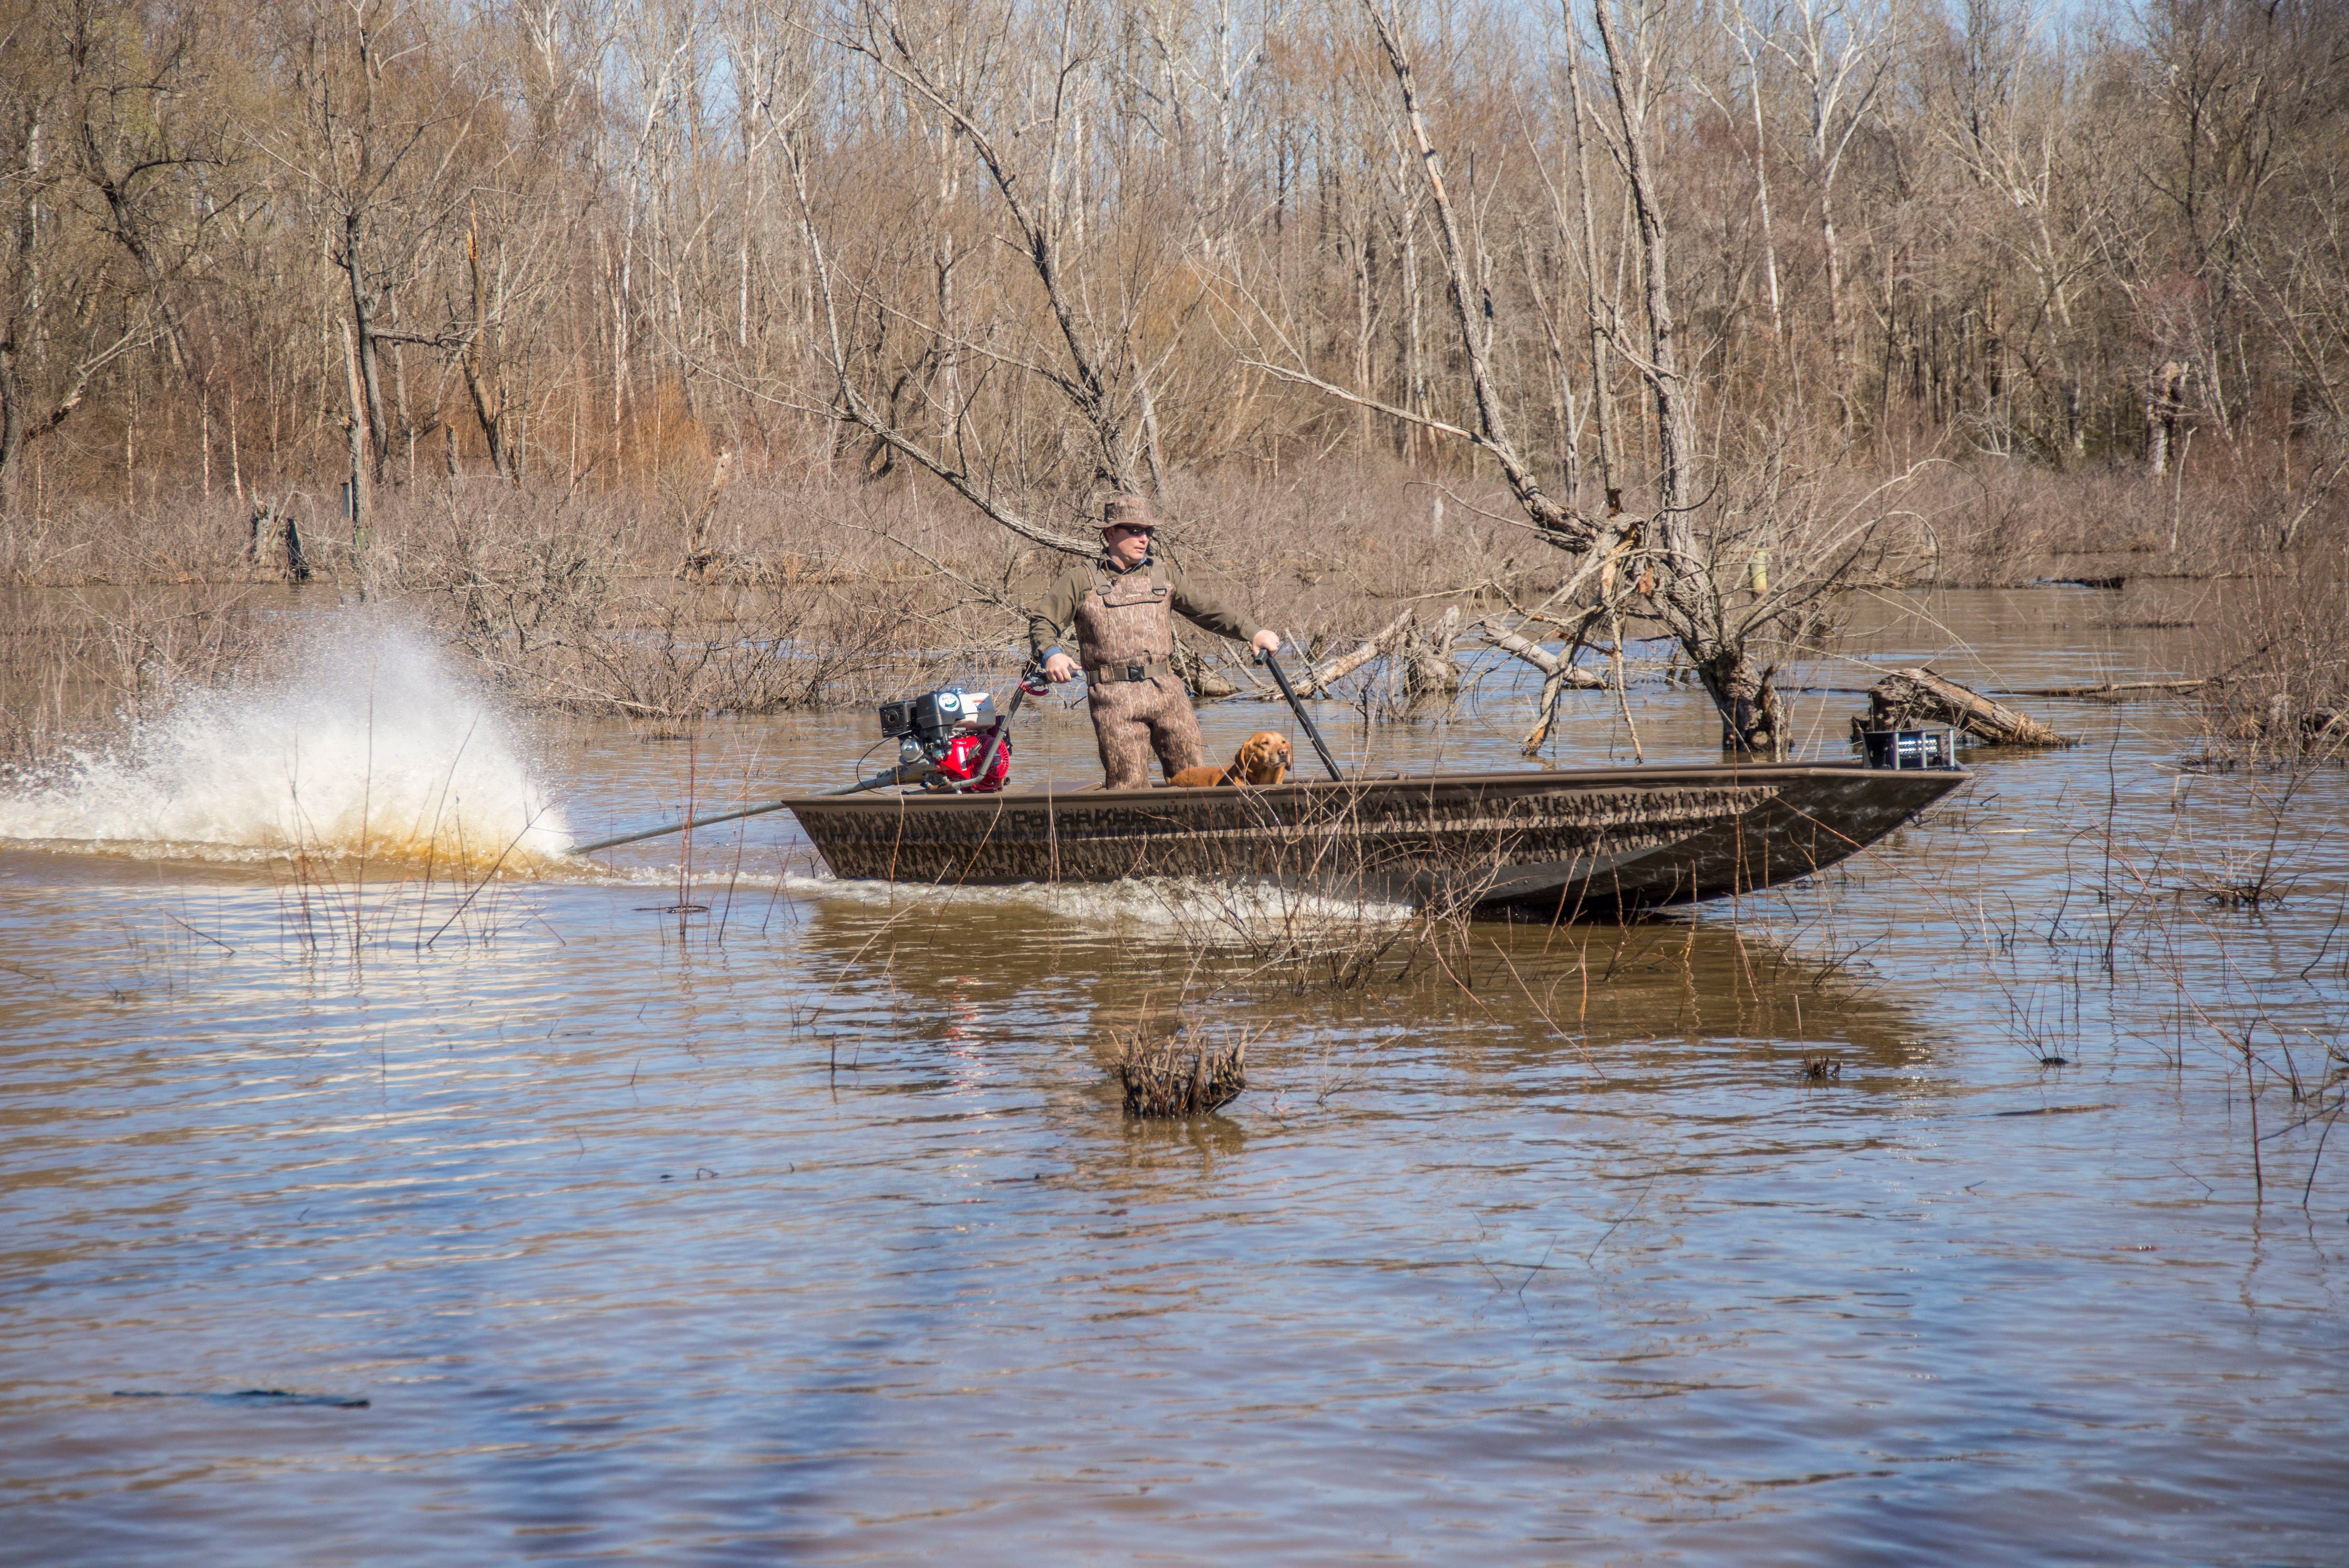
(1320, 681)
(2111, 688)
(1540, 658)
(1908, 698)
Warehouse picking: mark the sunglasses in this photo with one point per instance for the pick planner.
(1146, 530)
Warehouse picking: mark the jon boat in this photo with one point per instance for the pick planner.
(1587, 841)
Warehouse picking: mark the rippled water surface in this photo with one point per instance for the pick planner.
(808, 1227)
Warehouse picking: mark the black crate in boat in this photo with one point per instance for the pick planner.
(1910, 748)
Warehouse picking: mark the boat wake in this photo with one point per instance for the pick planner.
(367, 748)
(1236, 914)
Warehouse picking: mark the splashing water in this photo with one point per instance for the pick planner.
(1218, 914)
(369, 747)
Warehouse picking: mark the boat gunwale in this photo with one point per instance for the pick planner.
(1523, 781)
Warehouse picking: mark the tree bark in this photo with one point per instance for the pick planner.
(1907, 698)
(1329, 675)
(1429, 672)
(369, 377)
(2165, 393)
(1602, 383)
(355, 425)
(11, 427)
(1540, 658)
(1688, 598)
(1838, 339)
(482, 383)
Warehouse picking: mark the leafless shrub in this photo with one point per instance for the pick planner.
(76, 661)
(2011, 523)
(1180, 1074)
(2278, 660)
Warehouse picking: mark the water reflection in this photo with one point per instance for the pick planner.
(809, 1228)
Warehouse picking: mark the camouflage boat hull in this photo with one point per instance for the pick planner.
(1590, 841)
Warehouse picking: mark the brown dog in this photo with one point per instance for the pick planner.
(1263, 759)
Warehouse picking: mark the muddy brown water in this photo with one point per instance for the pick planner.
(807, 1227)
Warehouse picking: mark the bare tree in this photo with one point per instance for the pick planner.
(1024, 98)
(1838, 55)
(384, 150)
(1168, 244)
(86, 171)
(1689, 564)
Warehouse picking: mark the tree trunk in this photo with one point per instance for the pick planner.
(355, 425)
(2165, 391)
(369, 377)
(482, 383)
(1761, 192)
(12, 428)
(1470, 303)
(1429, 672)
(1689, 601)
(1320, 681)
(1550, 664)
(274, 542)
(1197, 677)
(1907, 698)
(1415, 379)
(1838, 344)
(1752, 717)
(1675, 428)
(1602, 383)
(1559, 675)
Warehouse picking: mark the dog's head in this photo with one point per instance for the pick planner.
(1264, 758)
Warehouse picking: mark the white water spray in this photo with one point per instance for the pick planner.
(368, 746)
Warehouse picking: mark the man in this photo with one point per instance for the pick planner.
(1121, 609)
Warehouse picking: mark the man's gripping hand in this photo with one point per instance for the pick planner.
(1059, 667)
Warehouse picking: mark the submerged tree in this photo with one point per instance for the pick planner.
(1724, 563)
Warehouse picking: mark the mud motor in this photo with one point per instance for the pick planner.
(947, 734)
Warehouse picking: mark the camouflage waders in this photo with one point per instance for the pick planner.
(1126, 640)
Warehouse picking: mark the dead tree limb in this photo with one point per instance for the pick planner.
(1472, 310)
(1535, 654)
(1429, 671)
(274, 541)
(1908, 698)
(2112, 688)
(1329, 675)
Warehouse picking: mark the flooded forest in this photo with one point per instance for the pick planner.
(435, 438)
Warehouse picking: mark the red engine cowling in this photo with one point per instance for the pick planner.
(961, 761)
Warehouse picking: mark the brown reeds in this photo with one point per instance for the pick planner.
(2276, 655)
(799, 595)
(792, 591)
(2011, 523)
